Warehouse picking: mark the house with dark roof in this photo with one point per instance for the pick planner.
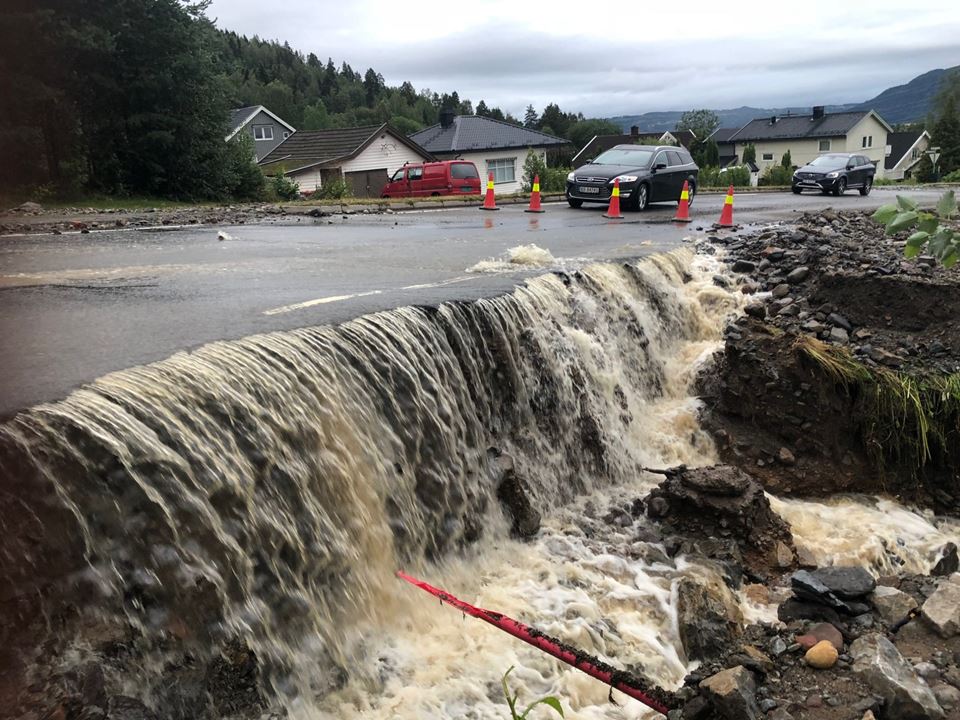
(266, 129)
(601, 143)
(492, 145)
(721, 136)
(366, 157)
(905, 151)
(806, 136)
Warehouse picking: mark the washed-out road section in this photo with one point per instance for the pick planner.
(77, 306)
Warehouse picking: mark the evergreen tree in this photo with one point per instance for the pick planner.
(945, 134)
(482, 109)
(711, 154)
(530, 117)
(749, 154)
(787, 161)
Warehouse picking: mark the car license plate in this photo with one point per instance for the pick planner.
(588, 190)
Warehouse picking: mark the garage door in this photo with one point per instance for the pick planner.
(367, 183)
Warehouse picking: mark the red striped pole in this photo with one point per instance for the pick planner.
(608, 675)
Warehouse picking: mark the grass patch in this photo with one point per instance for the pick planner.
(907, 421)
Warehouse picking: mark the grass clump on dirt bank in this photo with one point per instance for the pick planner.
(907, 421)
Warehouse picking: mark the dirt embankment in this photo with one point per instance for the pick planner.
(844, 375)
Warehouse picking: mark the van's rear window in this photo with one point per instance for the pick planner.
(463, 171)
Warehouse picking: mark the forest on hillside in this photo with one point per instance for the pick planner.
(131, 97)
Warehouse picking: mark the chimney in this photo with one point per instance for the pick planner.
(446, 117)
(818, 112)
(773, 119)
(635, 131)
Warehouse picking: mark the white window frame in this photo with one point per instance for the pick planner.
(504, 170)
(828, 143)
(867, 142)
(764, 157)
(262, 131)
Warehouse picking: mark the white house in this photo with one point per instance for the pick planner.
(905, 151)
(492, 145)
(366, 157)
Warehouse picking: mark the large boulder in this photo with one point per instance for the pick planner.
(942, 609)
(732, 694)
(809, 587)
(847, 582)
(906, 697)
(708, 618)
(722, 501)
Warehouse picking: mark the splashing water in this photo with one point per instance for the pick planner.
(517, 258)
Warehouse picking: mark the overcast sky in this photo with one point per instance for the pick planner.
(617, 58)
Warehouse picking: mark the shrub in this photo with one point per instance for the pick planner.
(776, 175)
(335, 190)
(533, 166)
(738, 176)
(284, 188)
(951, 177)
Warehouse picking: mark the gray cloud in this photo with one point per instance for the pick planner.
(512, 66)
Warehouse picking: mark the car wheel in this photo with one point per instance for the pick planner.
(841, 187)
(641, 197)
(867, 187)
(574, 203)
(796, 191)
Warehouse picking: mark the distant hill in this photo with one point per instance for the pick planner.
(904, 103)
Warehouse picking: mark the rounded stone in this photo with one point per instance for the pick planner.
(822, 656)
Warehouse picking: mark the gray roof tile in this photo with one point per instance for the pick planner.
(470, 132)
(799, 126)
(238, 115)
(899, 143)
(305, 148)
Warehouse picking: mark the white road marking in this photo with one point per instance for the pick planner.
(341, 298)
(318, 301)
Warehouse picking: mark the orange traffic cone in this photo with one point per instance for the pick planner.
(488, 202)
(535, 197)
(726, 217)
(683, 209)
(613, 212)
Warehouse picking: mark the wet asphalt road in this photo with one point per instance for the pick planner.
(75, 307)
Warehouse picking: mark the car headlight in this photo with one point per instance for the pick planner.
(832, 175)
(625, 178)
(570, 177)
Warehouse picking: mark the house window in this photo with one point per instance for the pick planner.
(263, 132)
(915, 154)
(824, 146)
(285, 134)
(767, 156)
(867, 141)
(503, 169)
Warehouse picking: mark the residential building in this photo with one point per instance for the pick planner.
(807, 136)
(266, 129)
(721, 136)
(601, 143)
(905, 151)
(492, 145)
(366, 157)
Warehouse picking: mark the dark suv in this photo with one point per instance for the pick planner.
(835, 172)
(648, 173)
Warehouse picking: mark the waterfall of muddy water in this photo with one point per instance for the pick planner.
(268, 488)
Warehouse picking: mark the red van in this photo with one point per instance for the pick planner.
(450, 177)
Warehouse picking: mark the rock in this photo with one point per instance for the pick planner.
(798, 275)
(786, 457)
(947, 695)
(892, 605)
(839, 335)
(839, 321)
(752, 659)
(708, 621)
(757, 593)
(948, 562)
(805, 558)
(819, 633)
(927, 670)
(732, 694)
(779, 714)
(757, 310)
(513, 495)
(784, 555)
(849, 582)
(768, 705)
(744, 266)
(794, 609)
(781, 290)
(882, 667)
(822, 656)
(942, 609)
(29, 207)
(807, 586)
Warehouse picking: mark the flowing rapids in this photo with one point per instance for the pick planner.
(267, 489)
